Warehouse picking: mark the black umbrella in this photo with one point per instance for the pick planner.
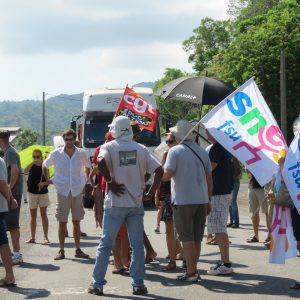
(197, 89)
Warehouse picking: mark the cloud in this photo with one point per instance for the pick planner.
(68, 46)
(102, 67)
(73, 25)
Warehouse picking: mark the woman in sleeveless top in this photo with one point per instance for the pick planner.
(38, 195)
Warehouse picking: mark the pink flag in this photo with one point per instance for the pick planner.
(283, 243)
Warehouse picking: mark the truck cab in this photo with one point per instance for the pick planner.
(99, 107)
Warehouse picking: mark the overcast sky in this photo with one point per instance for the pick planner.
(68, 46)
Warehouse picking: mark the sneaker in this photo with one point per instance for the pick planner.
(234, 225)
(95, 291)
(25, 201)
(229, 225)
(60, 255)
(185, 277)
(17, 259)
(80, 254)
(139, 290)
(220, 269)
(157, 230)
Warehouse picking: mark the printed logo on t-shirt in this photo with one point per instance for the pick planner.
(127, 157)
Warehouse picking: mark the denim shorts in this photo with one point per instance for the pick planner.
(3, 235)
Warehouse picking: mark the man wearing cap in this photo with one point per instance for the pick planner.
(188, 166)
(124, 164)
(15, 182)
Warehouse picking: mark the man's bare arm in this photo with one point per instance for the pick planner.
(14, 173)
(168, 174)
(158, 174)
(117, 188)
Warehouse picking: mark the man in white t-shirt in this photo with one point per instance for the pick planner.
(124, 164)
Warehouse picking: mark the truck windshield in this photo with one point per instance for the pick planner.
(95, 129)
(94, 132)
(149, 138)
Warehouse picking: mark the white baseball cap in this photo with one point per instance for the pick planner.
(120, 126)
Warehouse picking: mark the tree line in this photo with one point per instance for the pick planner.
(248, 44)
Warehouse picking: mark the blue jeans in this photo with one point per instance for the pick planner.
(112, 220)
(233, 208)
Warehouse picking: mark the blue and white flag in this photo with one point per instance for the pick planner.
(291, 171)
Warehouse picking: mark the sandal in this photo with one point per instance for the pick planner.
(4, 283)
(148, 260)
(170, 266)
(122, 271)
(30, 241)
(295, 286)
(46, 242)
(254, 239)
(179, 256)
(213, 242)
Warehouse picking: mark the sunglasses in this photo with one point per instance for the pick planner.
(170, 142)
(36, 156)
(68, 140)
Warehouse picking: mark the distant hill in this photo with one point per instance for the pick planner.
(145, 84)
(59, 111)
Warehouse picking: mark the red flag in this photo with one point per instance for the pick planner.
(136, 108)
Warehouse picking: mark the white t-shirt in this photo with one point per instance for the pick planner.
(69, 172)
(127, 162)
(3, 176)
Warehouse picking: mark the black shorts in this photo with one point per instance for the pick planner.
(12, 217)
(3, 235)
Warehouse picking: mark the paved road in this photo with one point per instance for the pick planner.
(254, 278)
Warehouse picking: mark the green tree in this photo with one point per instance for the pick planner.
(208, 40)
(26, 138)
(256, 52)
(244, 9)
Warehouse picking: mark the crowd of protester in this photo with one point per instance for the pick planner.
(193, 188)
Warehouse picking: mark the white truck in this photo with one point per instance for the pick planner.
(99, 107)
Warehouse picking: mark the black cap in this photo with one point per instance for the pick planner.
(4, 134)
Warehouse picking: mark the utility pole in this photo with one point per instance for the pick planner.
(44, 119)
(283, 94)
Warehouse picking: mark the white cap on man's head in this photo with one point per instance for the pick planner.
(181, 130)
(120, 126)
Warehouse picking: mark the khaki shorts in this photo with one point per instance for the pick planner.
(190, 221)
(41, 200)
(65, 204)
(257, 200)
